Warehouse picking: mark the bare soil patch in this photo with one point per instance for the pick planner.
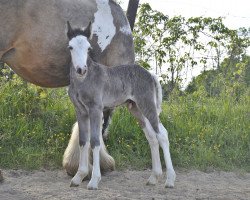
(52, 185)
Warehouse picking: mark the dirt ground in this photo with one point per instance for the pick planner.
(195, 185)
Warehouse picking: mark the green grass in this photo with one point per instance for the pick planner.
(35, 126)
(203, 133)
(209, 132)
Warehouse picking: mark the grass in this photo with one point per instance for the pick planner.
(35, 126)
(204, 133)
(209, 132)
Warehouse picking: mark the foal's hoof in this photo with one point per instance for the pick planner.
(92, 188)
(93, 183)
(169, 185)
(76, 181)
(152, 180)
(170, 179)
(73, 184)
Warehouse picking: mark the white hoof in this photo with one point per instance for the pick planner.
(93, 183)
(170, 179)
(75, 182)
(153, 179)
(77, 179)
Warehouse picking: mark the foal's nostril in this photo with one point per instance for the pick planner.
(79, 70)
(84, 71)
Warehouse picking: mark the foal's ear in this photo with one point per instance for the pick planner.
(69, 30)
(87, 30)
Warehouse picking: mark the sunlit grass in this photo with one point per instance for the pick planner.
(35, 126)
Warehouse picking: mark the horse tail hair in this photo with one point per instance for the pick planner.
(72, 154)
(107, 163)
(158, 94)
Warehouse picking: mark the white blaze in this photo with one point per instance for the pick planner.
(103, 25)
(79, 51)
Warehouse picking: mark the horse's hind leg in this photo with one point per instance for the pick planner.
(152, 140)
(107, 114)
(162, 137)
(149, 110)
(157, 129)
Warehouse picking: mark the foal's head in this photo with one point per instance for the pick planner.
(79, 46)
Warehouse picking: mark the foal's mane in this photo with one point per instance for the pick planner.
(74, 32)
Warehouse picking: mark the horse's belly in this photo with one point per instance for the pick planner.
(37, 68)
(38, 50)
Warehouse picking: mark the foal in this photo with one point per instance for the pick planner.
(95, 87)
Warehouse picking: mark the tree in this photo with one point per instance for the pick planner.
(232, 78)
(174, 44)
(131, 12)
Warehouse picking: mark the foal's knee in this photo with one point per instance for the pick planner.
(94, 141)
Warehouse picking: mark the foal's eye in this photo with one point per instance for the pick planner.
(70, 48)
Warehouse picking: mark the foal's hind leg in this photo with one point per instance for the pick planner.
(162, 137)
(149, 110)
(152, 140)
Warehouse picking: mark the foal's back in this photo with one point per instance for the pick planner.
(133, 76)
(127, 82)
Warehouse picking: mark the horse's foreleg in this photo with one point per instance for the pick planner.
(164, 143)
(95, 116)
(83, 169)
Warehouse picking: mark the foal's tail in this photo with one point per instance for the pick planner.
(158, 94)
(72, 153)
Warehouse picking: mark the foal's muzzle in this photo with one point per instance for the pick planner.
(81, 71)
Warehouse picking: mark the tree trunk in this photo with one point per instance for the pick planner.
(131, 12)
(172, 82)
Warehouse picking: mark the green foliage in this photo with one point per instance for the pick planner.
(126, 141)
(208, 123)
(174, 44)
(232, 78)
(203, 133)
(35, 124)
(209, 132)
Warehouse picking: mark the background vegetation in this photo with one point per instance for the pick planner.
(208, 121)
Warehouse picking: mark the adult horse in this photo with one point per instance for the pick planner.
(32, 43)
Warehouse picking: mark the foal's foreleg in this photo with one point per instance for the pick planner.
(83, 169)
(95, 115)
